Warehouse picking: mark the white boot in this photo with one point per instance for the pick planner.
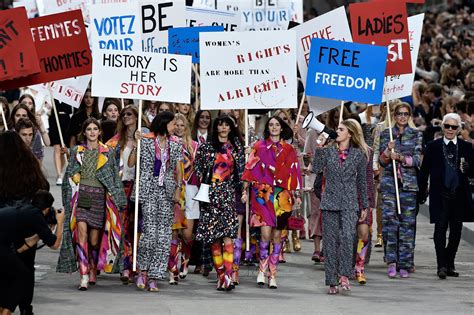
(84, 283)
(261, 278)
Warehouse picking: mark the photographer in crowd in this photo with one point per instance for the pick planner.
(20, 180)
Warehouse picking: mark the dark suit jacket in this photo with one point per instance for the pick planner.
(433, 166)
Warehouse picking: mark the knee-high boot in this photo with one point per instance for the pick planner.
(273, 265)
(173, 262)
(83, 259)
(263, 263)
(228, 265)
(362, 247)
(93, 260)
(237, 256)
(216, 252)
(185, 256)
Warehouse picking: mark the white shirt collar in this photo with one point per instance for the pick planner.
(446, 140)
(199, 134)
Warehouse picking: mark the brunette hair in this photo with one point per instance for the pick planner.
(86, 123)
(286, 131)
(95, 106)
(26, 95)
(234, 133)
(196, 124)
(31, 116)
(20, 172)
(24, 123)
(159, 126)
(108, 102)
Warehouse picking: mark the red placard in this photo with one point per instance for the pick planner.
(17, 49)
(384, 24)
(62, 46)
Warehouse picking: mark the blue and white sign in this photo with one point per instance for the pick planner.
(185, 40)
(346, 71)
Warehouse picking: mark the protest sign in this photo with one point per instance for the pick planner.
(30, 5)
(58, 6)
(69, 91)
(264, 15)
(243, 70)
(208, 17)
(401, 85)
(145, 76)
(17, 49)
(62, 46)
(115, 27)
(383, 24)
(185, 40)
(407, 1)
(347, 71)
(332, 26)
(157, 17)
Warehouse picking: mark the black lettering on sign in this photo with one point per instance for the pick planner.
(384, 25)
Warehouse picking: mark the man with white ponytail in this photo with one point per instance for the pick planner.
(448, 163)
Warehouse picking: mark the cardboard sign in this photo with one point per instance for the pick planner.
(62, 46)
(185, 40)
(115, 27)
(332, 26)
(17, 49)
(348, 71)
(242, 70)
(146, 76)
(266, 15)
(58, 6)
(208, 17)
(30, 5)
(401, 85)
(384, 24)
(69, 91)
(157, 17)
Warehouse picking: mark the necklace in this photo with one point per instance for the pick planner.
(448, 156)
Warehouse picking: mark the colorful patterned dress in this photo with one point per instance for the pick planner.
(218, 218)
(274, 171)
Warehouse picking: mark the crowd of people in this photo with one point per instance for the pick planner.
(380, 161)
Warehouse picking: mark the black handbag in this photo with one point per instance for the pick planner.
(84, 201)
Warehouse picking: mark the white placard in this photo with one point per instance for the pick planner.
(266, 15)
(58, 6)
(242, 70)
(397, 86)
(115, 27)
(69, 91)
(146, 76)
(332, 25)
(157, 16)
(30, 5)
(208, 17)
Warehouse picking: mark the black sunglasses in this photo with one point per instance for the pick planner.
(452, 127)
(126, 114)
(400, 114)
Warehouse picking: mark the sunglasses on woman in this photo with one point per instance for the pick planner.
(400, 114)
(126, 114)
(452, 127)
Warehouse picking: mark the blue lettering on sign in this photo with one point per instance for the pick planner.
(346, 71)
(115, 26)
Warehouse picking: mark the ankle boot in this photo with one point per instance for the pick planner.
(296, 241)
(263, 263)
(237, 256)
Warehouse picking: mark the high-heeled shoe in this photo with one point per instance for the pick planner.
(296, 241)
(379, 242)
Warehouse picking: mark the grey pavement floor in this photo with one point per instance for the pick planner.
(301, 288)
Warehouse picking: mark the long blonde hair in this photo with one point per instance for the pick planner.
(187, 140)
(357, 135)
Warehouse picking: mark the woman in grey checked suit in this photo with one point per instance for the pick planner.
(344, 167)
